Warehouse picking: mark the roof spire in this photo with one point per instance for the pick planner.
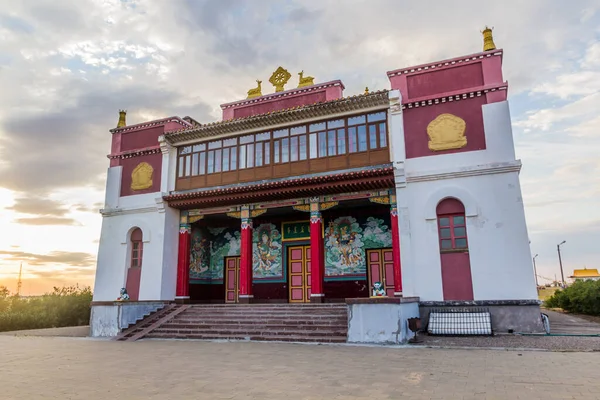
(122, 123)
(488, 39)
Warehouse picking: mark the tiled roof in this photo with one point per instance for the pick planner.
(585, 273)
(378, 99)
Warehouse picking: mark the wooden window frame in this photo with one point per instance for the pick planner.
(453, 237)
(137, 249)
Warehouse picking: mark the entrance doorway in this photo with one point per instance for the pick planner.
(381, 269)
(299, 267)
(232, 279)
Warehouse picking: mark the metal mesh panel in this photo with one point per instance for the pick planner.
(472, 321)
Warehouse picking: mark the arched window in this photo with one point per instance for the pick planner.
(137, 248)
(452, 226)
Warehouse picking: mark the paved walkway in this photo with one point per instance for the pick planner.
(571, 324)
(78, 368)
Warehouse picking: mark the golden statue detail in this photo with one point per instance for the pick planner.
(305, 80)
(255, 92)
(122, 122)
(447, 132)
(141, 177)
(279, 78)
(488, 39)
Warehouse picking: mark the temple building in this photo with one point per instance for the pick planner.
(403, 196)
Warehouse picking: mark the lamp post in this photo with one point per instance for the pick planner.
(535, 270)
(562, 275)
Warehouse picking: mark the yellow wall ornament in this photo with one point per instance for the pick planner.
(305, 80)
(141, 177)
(446, 132)
(279, 78)
(255, 92)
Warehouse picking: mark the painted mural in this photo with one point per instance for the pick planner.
(346, 240)
(266, 252)
(209, 247)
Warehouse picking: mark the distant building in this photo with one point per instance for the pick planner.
(585, 274)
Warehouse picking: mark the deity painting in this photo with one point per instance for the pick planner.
(345, 253)
(266, 259)
(200, 256)
(376, 234)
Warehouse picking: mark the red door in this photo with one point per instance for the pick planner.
(381, 269)
(133, 283)
(232, 279)
(299, 267)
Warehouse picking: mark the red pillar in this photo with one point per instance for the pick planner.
(396, 250)
(245, 295)
(317, 258)
(182, 291)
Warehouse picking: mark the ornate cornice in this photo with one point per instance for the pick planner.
(135, 153)
(150, 124)
(487, 169)
(445, 63)
(453, 96)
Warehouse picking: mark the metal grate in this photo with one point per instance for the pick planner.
(452, 321)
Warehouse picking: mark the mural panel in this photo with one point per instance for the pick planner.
(266, 252)
(209, 247)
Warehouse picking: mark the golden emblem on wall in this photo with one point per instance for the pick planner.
(279, 78)
(305, 80)
(141, 177)
(447, 132)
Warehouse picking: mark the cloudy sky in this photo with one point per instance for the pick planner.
(68, 66)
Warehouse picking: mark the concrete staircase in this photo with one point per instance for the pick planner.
(321, 323)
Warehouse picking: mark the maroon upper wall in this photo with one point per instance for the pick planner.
(141, 139)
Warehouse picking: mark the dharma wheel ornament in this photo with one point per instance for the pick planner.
(279, 78)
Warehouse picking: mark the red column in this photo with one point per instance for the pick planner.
(396, 250)
(182, 291)
(317, 258)
(245, 295)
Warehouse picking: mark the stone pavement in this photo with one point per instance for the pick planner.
(79, 368)
(571, 324)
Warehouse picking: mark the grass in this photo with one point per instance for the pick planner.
(544, 294)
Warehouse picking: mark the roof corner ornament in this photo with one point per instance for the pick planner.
(279, 78)
(122, 115)
(367, 90)
(488, 39)
(305, 80)
(255, 92)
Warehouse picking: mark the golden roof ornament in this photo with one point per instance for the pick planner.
(488, 39)
(279, 78)
(122, 123)
(255, 92)
(305, 80)
(367, 90)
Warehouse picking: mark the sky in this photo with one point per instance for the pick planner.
(67, 67)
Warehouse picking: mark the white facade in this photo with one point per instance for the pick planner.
(487, 183)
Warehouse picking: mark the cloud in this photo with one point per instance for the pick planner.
(48, 221)
(39, 206)
(75, 259)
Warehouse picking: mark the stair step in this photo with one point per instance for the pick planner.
(279, 338)
(174, 324)
(251, 331)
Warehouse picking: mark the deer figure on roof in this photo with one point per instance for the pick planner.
(305, 80)
(255, 92)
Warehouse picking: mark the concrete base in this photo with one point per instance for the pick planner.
(381, 320)
(317, 299)
(246, 299)
(507, 315)
(110, 318)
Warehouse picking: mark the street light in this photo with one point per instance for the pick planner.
(562, 275)
(535, 270)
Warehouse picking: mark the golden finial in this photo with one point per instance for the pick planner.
(305, 80)
(488, 39)
(255, 92)
(279, 78)
(367, 90)
(122, 123)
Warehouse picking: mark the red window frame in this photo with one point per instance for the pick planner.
(451, 227)
(137, 249)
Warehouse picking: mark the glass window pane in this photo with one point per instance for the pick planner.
(461, 243)
(233, 158)
(242, 157)
(259, 155)
(444, 221)
(352, 139)
(202, 163)
(218, 160)
(338, 123)
(372, 136)
(225, 160)
(361, 119)
(276, 150)
(134, 262)
(280, 133)
(317, 127)
(382, 135)
(263, 136)
(211, 162)
(188, 165)
(267, 153)
(303, 147)
(331, 143)
(294, 148)
(380, 116)
(250, 158)
(362, 138)
(215, 145)
(229, 142)
(181, 166)
(195, 164)
(313, 145)
(247, 139)
(136, 246)
(185, 150)
(199, 147)
(341, 139)
(446, 244)
(298, 130)
(445, 233)
(460, 232)
(285, 150)
(322, 144)
(459, 220)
